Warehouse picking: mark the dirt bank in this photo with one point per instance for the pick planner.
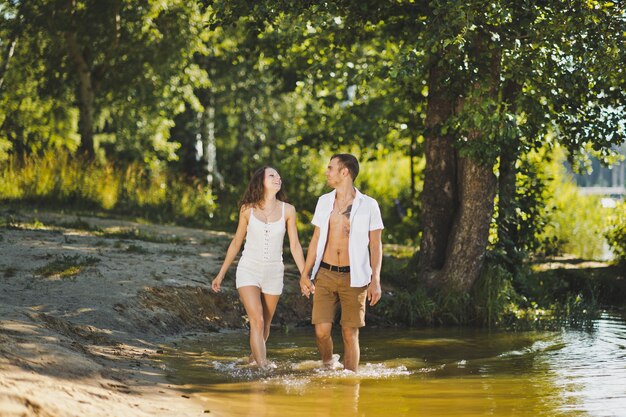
(86, 302)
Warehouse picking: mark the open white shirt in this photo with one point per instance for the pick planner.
(364, 217)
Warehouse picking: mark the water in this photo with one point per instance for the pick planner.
(414, 373)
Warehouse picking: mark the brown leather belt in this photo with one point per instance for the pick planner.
(335, 268)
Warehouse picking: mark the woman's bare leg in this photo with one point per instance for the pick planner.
(251, 298)
(269, 302)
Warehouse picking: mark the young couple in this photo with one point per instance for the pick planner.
(342, 267)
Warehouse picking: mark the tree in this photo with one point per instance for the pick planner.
(523, 72)
(125, 60)
(499, 78)
(35, 102)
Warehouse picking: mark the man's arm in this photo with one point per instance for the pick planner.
(306, 285)
(376, 259)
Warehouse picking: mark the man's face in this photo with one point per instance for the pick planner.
(334, 173)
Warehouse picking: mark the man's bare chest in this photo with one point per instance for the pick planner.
(339, 224)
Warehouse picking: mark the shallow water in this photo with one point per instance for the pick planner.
(438, 372)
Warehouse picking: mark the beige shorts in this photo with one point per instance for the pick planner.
(333, 290)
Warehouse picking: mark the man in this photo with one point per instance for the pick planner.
(344, 258)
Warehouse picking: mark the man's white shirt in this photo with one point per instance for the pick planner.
(364, 217)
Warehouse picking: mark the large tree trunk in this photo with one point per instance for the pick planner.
(439, 195)
(459, 192)
(90, 74)
(470, 231)
(86, 96)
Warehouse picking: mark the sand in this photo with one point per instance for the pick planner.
(86, 342)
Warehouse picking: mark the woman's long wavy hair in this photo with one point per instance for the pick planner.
(256, 190)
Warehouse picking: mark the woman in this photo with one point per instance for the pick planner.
(264, 216)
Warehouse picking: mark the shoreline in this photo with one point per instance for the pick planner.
(87, 303)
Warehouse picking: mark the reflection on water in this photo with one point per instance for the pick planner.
(438, 372)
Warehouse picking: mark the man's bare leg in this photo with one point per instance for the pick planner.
(351, 348)
(324, 342)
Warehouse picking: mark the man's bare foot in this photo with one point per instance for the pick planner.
(333, 363)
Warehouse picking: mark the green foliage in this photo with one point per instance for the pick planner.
(386, 177)
(616, 233)
(60, 179)
(559, 296)
(522, 216)
(576, 222)
(289, 83)
(411, 309)
(532, 194)
(493, 296)
(127, 68)
(500, 299)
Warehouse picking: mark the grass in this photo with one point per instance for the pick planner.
(66, 266)
(63, 180)
(539, 297)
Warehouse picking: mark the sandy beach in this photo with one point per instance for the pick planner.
(87, 304)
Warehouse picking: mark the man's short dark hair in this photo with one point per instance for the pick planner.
(348, 161)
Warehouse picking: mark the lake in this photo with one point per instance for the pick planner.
(413, 372)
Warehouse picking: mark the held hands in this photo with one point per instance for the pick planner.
(217, 283)
(306, 286)
(374, 292)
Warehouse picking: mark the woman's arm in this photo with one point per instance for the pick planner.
(233, 248)
(306, 285)
(294, 241)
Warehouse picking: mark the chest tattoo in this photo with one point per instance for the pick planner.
(347, 211)
(346, 221)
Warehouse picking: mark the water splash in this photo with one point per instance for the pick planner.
(300, 373)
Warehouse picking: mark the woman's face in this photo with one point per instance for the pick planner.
(272, 181)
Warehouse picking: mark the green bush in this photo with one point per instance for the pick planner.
(501, 298)
(616, 233)
(576, 223)
(493, 296)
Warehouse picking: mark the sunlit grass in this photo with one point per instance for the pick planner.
(576, 222)
(70, 182)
